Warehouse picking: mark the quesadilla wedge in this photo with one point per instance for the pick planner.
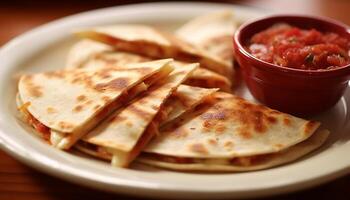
(148, 41)
(83, 51)
(92, 54)
(231, 134)
(64, 105)
(213, 33)
(125, 133)
(239, 164)
(184, 99)
(89, 54)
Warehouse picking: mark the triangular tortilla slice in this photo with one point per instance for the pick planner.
(148, 41)
(125, 133)
(83, 51)
(64, 105)
(241, 164)
(212, 32)
(184, 99)
(227, 131)
(89, 54)
(92, 54)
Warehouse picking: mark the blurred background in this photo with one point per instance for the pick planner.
(18, 16)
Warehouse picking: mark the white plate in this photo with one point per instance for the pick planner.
(45, 48)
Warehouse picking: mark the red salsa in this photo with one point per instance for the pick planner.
(292, 47)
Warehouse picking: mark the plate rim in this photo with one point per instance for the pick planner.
(9, 145)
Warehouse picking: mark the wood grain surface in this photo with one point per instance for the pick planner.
(18, 181)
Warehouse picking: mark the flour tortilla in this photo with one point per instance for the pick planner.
(212, 32)
(231, 127)
(271, 160)
(127, 131)
(71, 102)
(232, 134)
(83, 51)
(148, 41)
(90, 54)
(184, 99)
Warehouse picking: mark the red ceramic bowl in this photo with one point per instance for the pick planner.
(295, 91)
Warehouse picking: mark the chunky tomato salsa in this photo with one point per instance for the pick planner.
(292, 47)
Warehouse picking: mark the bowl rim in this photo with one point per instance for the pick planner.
(293, 71)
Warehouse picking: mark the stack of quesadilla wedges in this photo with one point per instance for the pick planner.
(137, 43)
(115, 101)
(64, 105)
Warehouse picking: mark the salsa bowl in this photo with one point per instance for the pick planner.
(292, 90)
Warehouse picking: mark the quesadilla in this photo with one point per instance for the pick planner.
(83, 51)
(213, 33)
(64, 105)
(90, 54)
(125, 133)
(239, 164)
(184, 99)
(232, 134)
(148, 41)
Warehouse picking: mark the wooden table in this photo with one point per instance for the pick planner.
(21, 182)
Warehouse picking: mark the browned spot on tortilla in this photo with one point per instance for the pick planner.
(279, 145)
(83, 79)
(88, 102)
(116, 84)
(252, 116)
(65, 125)
(139, 112)
(34, 91)
(257, 120)
(245, 133)
(193, 128)
(309, 127)
(50, 110)
(212, 141)
(220, 128)
(81, 98)
(286, 121)
(272, 120)
(198, 148)
(55, 74)
(154, 107)
(207, 124)
(228, 144)
(129, 124)
(78, 108)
